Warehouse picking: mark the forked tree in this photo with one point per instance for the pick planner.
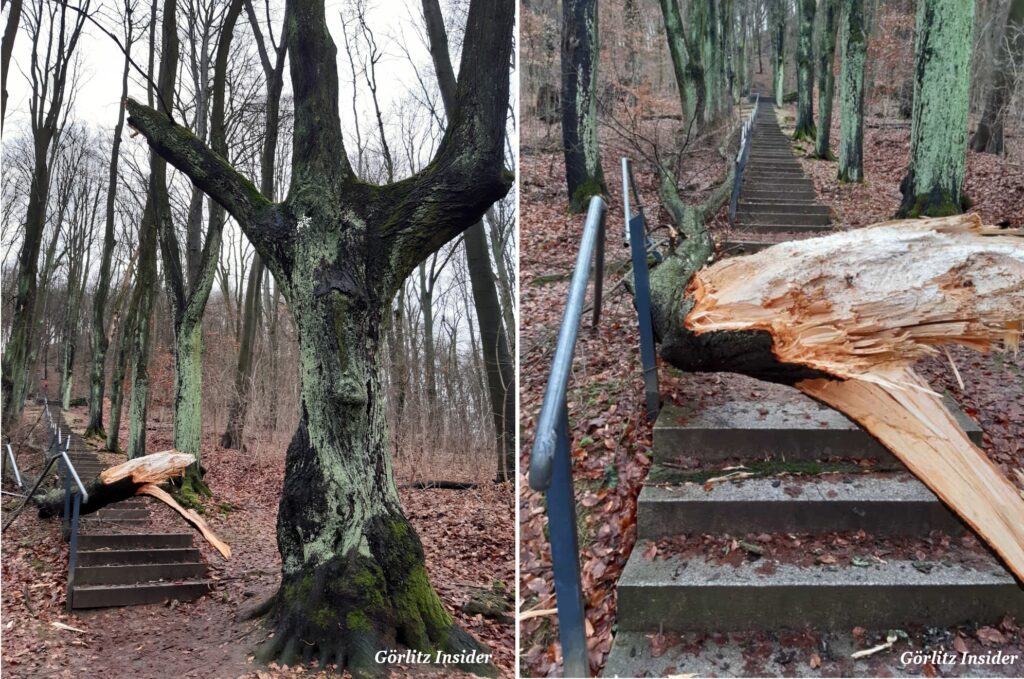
(353, 573)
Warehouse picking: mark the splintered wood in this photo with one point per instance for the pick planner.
(863, 306)
(148, 471)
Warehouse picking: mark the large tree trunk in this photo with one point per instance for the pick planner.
(353, 574)
(826, 80)
(854, 48)
(988, 138)
(120, 370)
(583, 174)
(805, 70)
(934, 181)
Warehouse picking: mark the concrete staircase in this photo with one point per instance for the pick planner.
(808, 465)
(122, 559)
(777, 201)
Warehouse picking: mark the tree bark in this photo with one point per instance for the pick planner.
(988, 138)
(934, 181)
(826, 80)
(48, 100)
(118, 375)
(353, 574)
(584, 176)
(777, 18)
(10, 32)
(854, 47)
(252, 319)
(97, 372)
(805, 70)
(495, 346)
(686, 64)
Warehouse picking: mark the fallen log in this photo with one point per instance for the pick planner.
(139, 476)
(119, 482)
(844, 317)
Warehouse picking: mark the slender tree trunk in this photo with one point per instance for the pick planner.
(429, 356)
(805, 70)
(97, 372)
(252, 319)
(120, 370)
(10, 32)
(583, 174)
(686, 64)
(826, 80)
(239, 406)
(934, 181)
(854, 47)
(508, 307)
(777, 17)
(141, 329)
(988, 138)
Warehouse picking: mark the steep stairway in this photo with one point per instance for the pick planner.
(123, 560)
(777, 200)
(715, 579)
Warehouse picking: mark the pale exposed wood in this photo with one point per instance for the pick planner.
(190, 515)
(885, 295)
(152, 468)
(863, 306)
(917, 428)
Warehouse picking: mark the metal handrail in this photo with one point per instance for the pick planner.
(74, 495)
(550, 460)
(14, 464)
(741, 159)
(636, 229)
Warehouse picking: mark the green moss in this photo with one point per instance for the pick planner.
(357, 620)
(424, 622)
(591, 186)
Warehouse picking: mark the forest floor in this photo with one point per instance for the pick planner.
(611, 437)
(466, 535)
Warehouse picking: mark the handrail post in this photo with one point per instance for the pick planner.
(565, 556)
(65, 523)
(637, 232)
(14, 465)
(598, 275)
(73, 549)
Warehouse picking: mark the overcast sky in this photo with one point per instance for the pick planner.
(101, 60)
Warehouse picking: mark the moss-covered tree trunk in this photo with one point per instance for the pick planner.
(826, 81)
(934, 181)
(353, 574)
(686, 62)
(777, 26)
(584, 176)
(854, 47)
(120, 369)
(805, 70)
(988, 138)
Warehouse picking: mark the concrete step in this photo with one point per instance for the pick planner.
(101, 596)
(139, 573)
(765, 227)
(798, 429)
(92, 521)
(893, 503)
(748, 218)
(124, 557)
(805, 208)
(126, 541)
(675, 594)
(121, 513)
(753, 194)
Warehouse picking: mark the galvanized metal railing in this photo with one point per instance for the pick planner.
(551, 461)
(74, 494)
(746, 132)
(14, 466)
